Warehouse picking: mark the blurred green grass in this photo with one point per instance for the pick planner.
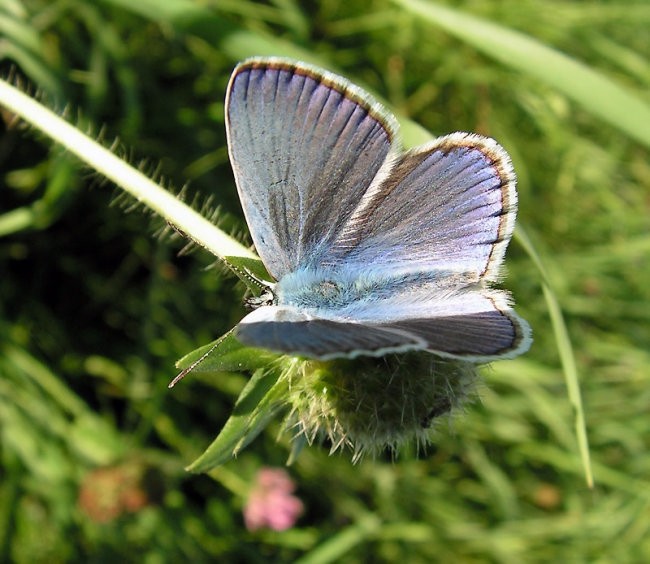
(95, 309)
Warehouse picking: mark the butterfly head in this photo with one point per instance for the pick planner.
(266, 298)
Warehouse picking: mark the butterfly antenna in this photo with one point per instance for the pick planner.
(198, 361)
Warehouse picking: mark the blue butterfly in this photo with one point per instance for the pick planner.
(375, 250)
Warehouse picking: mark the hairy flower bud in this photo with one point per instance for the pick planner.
(369, 404)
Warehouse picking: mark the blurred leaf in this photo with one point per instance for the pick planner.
(24, 366)
(594, 91)
(226, 354)
(95, 440)
(258, 403)
(249, 271)
(340, 544)
(22, 43)
(61, 186)
(167, 11)
(567, 355)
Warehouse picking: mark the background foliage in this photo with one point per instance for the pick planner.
(95, 309)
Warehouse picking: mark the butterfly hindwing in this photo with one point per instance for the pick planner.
(470, 324)
(465, 324)
(291, 331)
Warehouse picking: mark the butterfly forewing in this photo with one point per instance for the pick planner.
(448, 206)
(305, 146)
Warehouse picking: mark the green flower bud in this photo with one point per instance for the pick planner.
(369, 404)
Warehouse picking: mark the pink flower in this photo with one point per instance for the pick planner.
(271, 504)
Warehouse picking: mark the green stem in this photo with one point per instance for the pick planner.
(181, 216)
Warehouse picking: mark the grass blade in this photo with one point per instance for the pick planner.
(567, 357)
(595, 92)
